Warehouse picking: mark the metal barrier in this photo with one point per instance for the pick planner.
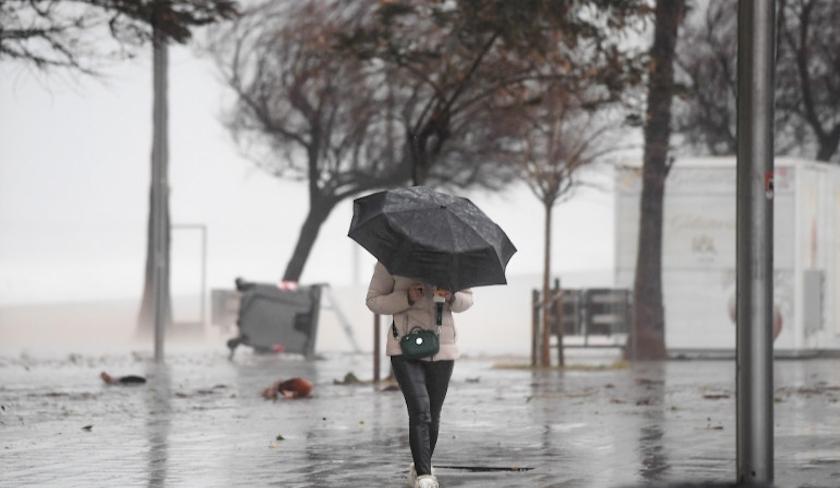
(584, 313)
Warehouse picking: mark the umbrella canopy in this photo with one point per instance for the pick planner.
(440, 239)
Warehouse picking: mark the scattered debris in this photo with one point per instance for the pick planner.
(583, 393)
(617, 401)
(122, 380)
(473, 380)
(88, 428)
(290, 389)
(716, 396)
(349, 379)
(645, 401)
(280, 437)
(609, 385)
(51, 394)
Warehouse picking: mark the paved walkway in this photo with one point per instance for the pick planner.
(201, 422)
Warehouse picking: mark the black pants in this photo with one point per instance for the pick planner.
(423, 384)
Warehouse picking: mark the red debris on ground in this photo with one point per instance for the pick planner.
(290, 389)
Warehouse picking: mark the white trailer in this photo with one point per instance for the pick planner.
(698, 255)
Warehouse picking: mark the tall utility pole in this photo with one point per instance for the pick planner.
(160, 188)
(754, 242)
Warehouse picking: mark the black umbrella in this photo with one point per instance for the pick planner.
(440, 239)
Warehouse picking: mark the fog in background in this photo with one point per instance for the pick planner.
(74, 178)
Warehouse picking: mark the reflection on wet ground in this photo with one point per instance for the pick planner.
(200, 421)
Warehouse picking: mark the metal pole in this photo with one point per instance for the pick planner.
(558, 317)
(203, 275)
(160, 190)
(535, 325)
(754, 242)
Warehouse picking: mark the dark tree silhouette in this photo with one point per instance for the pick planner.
(351, 97)
(306, 112)
(80, 34)
(461, 62)
(807, 73)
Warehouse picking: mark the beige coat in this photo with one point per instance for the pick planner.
(387, 295)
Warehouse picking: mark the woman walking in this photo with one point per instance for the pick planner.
(423, 381)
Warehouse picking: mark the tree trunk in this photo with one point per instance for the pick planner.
(158, 226)
(419, 170)
(545, 351)
(146, 315)
(649, 319)
(827, 146)
(318, 213)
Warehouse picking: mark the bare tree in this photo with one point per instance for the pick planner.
(350, 97)
(565, 135)
(706, 69)
(808, 76)
(80, 35)
(807, 73)
(706, 59)
(460, 63)
(306, 112)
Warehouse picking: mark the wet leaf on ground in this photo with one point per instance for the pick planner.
(349, 379)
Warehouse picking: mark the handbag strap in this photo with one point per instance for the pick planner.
(397, 335)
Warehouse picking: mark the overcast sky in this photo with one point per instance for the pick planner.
(74, 175)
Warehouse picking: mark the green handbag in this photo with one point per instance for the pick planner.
(418, 343)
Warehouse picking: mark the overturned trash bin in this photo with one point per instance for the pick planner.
(277, 319)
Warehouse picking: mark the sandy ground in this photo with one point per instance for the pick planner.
(201, 422)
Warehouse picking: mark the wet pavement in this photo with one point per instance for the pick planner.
(200, 421)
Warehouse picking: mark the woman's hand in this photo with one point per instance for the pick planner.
(446, 294)
(415, 293)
